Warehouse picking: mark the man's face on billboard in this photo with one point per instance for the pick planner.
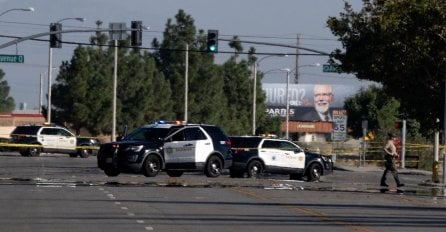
(323, 96)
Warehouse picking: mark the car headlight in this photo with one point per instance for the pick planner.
(135, 148)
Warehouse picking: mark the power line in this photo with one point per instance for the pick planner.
(318, 53)
(308, 37)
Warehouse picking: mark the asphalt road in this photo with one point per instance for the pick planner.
(58, 193)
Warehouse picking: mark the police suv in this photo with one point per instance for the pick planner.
(31, 140)
(256, 155)
(173, 147)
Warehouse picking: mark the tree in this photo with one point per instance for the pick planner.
(79, 93)
(144, 94)
(6, 102)
(236, 45)
(374, 105)
(238, 91)
(171, 56)
(400, 44)
(206, 99)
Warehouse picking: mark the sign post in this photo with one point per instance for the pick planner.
(339, 125)
(12, 58)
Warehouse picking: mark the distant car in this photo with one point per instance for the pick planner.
(32, 140)
(255, 155)
(173, 147)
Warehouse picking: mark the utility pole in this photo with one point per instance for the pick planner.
(296, 73)
(186, 82)
(115, 87)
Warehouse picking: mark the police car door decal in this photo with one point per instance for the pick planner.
(294, 158)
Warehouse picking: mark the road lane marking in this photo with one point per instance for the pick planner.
(327, 218)
(130, 214)
(305, 211)
(249, 193)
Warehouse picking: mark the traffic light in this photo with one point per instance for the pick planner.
(56, 39)
(212, 41)
(136, 35)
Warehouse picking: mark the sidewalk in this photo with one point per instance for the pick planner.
(409, 176)
(374, 168)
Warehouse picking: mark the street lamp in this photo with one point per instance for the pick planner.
(16, 9)
(50, 64)
(254, 91)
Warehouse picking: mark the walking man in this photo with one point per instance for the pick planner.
(390, 157)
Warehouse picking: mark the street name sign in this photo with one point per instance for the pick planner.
(331, 68)
(12, 58)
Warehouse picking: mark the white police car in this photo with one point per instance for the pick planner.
(34, 139)
(196, 147)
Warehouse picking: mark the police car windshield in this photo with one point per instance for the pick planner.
(147, 134)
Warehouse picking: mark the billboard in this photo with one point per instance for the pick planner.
(307, 102)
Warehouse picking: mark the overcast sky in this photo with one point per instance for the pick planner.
(274, 21)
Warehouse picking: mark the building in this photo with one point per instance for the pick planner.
(8, 121)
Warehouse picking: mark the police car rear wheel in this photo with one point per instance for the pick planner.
(213, 167)
(33, 151)
(84, 153)
(255, 169)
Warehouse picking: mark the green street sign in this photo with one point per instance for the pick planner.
(331, 68)
(12, 58)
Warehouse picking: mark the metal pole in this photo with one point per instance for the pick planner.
(444, 130)
(50, 64)
(254, 98)
(444, 167)
(186, 83)
(41, 93)
(436, 165)
(403, 145)
(287, 104)
(115, 87)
